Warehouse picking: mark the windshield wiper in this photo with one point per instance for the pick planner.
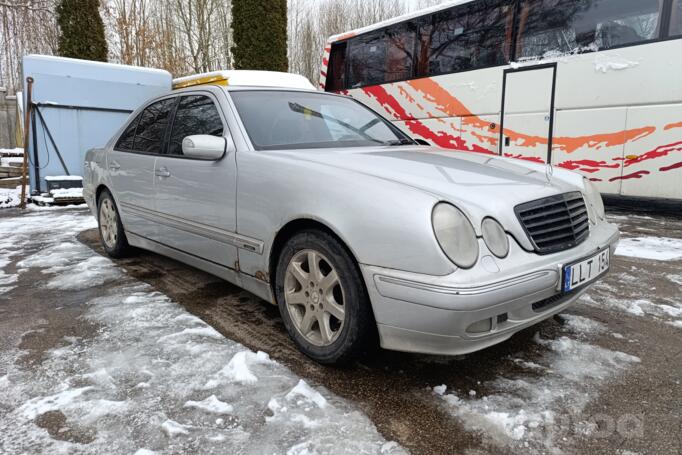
(402, 141)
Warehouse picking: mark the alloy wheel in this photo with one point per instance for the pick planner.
(314, 297)
(108, 223)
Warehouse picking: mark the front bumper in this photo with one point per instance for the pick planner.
(431, 314)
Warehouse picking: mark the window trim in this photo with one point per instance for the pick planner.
(664, 35)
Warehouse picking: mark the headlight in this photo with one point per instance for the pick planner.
(455, 235)
(594, 199)
(495, 237)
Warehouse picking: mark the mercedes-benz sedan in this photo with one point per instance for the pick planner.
(316, 203)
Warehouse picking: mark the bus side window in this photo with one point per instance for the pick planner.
(336, 69)
(566, 26)
(400, 52)
(467, 37)
(676, 19)
(367, 59)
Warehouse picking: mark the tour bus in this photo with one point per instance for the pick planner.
(589, 85)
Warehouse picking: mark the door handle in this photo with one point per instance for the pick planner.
(114, 166)
(162, 172)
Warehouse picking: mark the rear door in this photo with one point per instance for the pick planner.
(196, 199)
(131, 167)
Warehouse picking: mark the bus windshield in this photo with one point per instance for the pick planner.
(285, 120)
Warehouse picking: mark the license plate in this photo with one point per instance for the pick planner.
(585, 271)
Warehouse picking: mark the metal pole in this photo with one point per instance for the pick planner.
(27, 120)
(36, 158)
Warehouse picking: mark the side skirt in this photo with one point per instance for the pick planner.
(246, 282)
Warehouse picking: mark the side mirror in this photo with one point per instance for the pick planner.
(204, 147)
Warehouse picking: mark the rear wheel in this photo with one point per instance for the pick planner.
(110, 228)
(322, 298)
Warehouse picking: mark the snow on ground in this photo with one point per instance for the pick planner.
(655, 248)
(153, 378)
(537, 408)
(633, 292)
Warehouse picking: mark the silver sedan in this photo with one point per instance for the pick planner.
(319, 205)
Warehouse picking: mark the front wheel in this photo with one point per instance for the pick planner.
(110, 228)
(322, 298)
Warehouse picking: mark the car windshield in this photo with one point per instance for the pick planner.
(282, 120)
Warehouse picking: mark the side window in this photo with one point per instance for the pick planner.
(336, 68)
(676, 19)
(151, 128)
(366, 60)
(399, 52)
(196, 114)
(472, 36)
(125, 142)
(568, 26)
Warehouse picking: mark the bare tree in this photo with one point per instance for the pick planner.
(185, 36)
(26, 27)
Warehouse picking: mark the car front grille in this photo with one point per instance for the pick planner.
(555, 223)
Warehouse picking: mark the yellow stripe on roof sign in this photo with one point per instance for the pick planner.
(201, 80)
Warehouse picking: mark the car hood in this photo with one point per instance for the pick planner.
(479, 184)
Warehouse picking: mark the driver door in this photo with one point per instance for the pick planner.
(196, 199)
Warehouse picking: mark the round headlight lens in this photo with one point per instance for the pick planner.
(455, 235)
(495, 237)
(594, 199)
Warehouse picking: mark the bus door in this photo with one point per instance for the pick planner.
(528, 112)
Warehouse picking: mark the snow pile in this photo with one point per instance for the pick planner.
(237, 370)
(655, 248)
(67, 193)
(211, 404)
(10, 197)
(536, 408)
(153, 378)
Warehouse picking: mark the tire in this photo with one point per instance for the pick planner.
(332, 337)
(111, 231)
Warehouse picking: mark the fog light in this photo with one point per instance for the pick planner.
(483, 326)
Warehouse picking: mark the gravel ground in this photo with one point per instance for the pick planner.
(147, 353)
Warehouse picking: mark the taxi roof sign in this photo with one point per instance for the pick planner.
(244, 78)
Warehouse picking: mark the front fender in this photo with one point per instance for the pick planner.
(382, 222)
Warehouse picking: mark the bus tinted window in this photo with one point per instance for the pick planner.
(565, 26)
(336, 69)
(366, 60)
(381, 57)
(399, 52)
(676, 19)
(467, 37)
